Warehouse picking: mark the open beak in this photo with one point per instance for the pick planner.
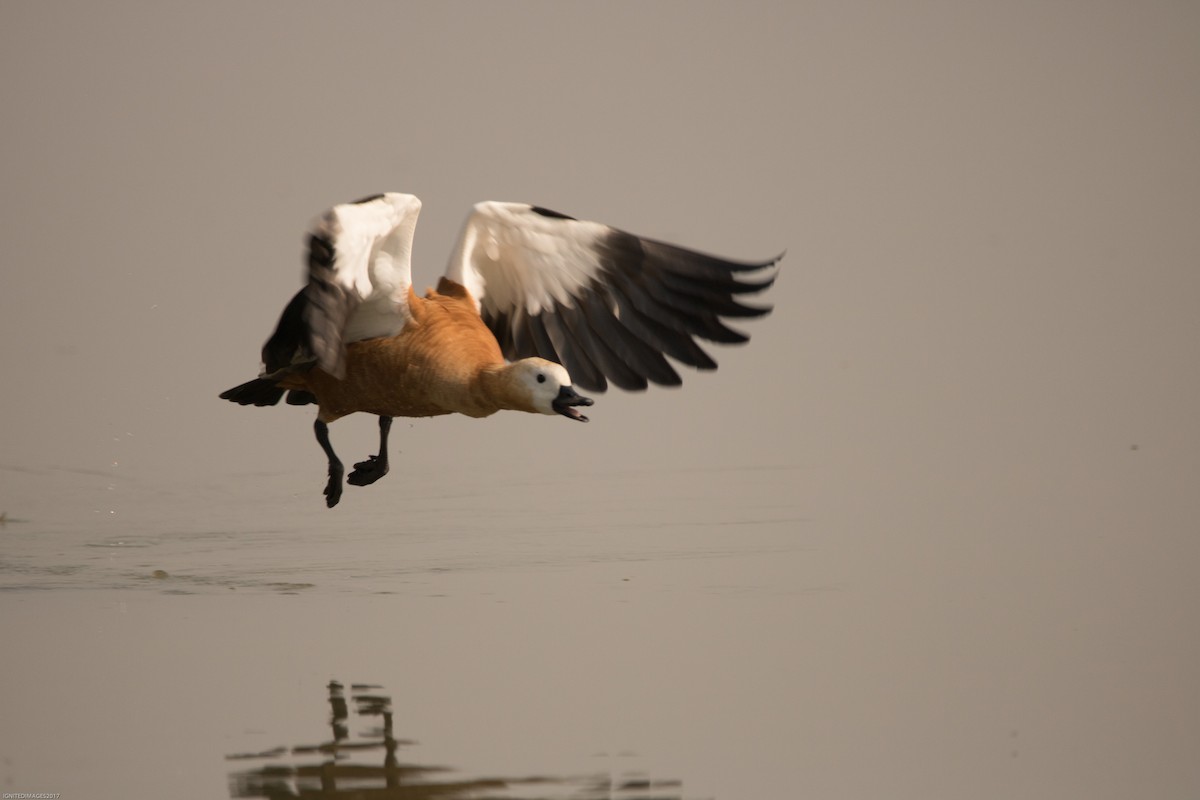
(566, 401)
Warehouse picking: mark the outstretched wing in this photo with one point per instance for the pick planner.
(358, 280)
(605, 304)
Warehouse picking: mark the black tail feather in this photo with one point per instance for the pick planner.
(258, 392)
(299, 397)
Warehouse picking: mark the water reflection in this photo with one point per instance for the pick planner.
(329, 770)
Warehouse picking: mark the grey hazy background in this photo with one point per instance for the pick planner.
(979, 384)
(990, 214)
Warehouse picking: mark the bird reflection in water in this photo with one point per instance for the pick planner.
(327, 771)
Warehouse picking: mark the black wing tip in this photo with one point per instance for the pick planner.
(300, 397)
(675, 380)
(736, 265)
(371, 198)
(551, 213)
(773, 261)
(258, 392)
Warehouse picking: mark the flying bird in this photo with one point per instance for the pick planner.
(533, 303)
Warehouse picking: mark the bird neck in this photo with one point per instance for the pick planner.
(499, 386)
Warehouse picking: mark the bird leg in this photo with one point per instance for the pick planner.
(333, 489)
(375, 467)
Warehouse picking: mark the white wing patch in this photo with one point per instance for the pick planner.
(358, 283)
(511, 256)
(372, 243)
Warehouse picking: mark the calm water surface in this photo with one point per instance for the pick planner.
(559, 636)
(635, 634)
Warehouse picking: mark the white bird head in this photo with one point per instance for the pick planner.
(548, 387)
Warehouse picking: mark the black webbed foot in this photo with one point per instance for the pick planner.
(367, 472)
(375, 467)
(333, 489)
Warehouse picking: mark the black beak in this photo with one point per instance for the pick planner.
(567, 398)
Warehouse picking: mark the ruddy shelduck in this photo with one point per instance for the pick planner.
(530, 298)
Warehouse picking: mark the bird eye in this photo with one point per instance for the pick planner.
(541, 378)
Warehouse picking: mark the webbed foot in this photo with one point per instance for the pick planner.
(333, 489)
(367, 472)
